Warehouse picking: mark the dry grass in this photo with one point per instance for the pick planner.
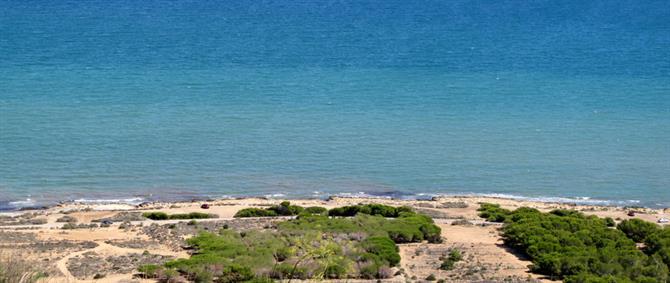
(13, 269)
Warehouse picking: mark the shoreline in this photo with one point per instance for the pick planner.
(470, 200)
(28, 205)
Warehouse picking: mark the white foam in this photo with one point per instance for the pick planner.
(361, 195)
(22, 203)
(577, 200)
(275, 195)
(136, 200)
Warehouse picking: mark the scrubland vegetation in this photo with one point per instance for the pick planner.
(14, 269)
(565, 244)
(165, 216)
(312, 246)
(283, 209)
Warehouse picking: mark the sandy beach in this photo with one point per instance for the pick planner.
(78, 242)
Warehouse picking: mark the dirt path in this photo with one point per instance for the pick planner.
(106, 249)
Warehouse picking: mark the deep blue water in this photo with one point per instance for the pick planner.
(182, 99)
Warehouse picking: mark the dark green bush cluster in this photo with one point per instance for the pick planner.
(164, 216)
(283, 209)
(316, 210)
(370, 209)
(568, 245)
(493, 212)
(384, 248)
(255, 212)
(286, 209)
(156, 215)
(637, 229)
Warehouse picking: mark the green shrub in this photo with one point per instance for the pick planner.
(447, 264)
(149, 270)
(658, 245)
(255, 212)
(431, 277)
(335, 271)
(192, 215)
(202, 275)
(169, 275)
(609, 222)
(383, 247)
(449, 261)
(370, 270)
(493, 212)
(637, 229)
(260, 280)
(658, 241)
(235, 273)
(289, 271)
(156, 215)
(283, 209)
(455, 255)
(370, 209)
(316, 210)
(286, 209)
(568, 245)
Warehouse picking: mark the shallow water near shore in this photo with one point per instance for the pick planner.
(131, 102)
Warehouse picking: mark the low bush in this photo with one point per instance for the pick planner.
(178, 216)
(316, 210)
(336, 270)
(449, 261)
(658, 245)
(384, 248)
(193, 215)
(370, 209)
(637, 229)
(255, 212)
(566, 244)
(156, 215)
(149, 270)
(67, 219)
(283, 209)
(493, 212)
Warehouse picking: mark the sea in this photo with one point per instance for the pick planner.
(132, 101)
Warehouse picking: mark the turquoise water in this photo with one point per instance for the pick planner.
(129, 101)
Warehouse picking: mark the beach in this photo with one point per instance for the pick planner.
(109, 242)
